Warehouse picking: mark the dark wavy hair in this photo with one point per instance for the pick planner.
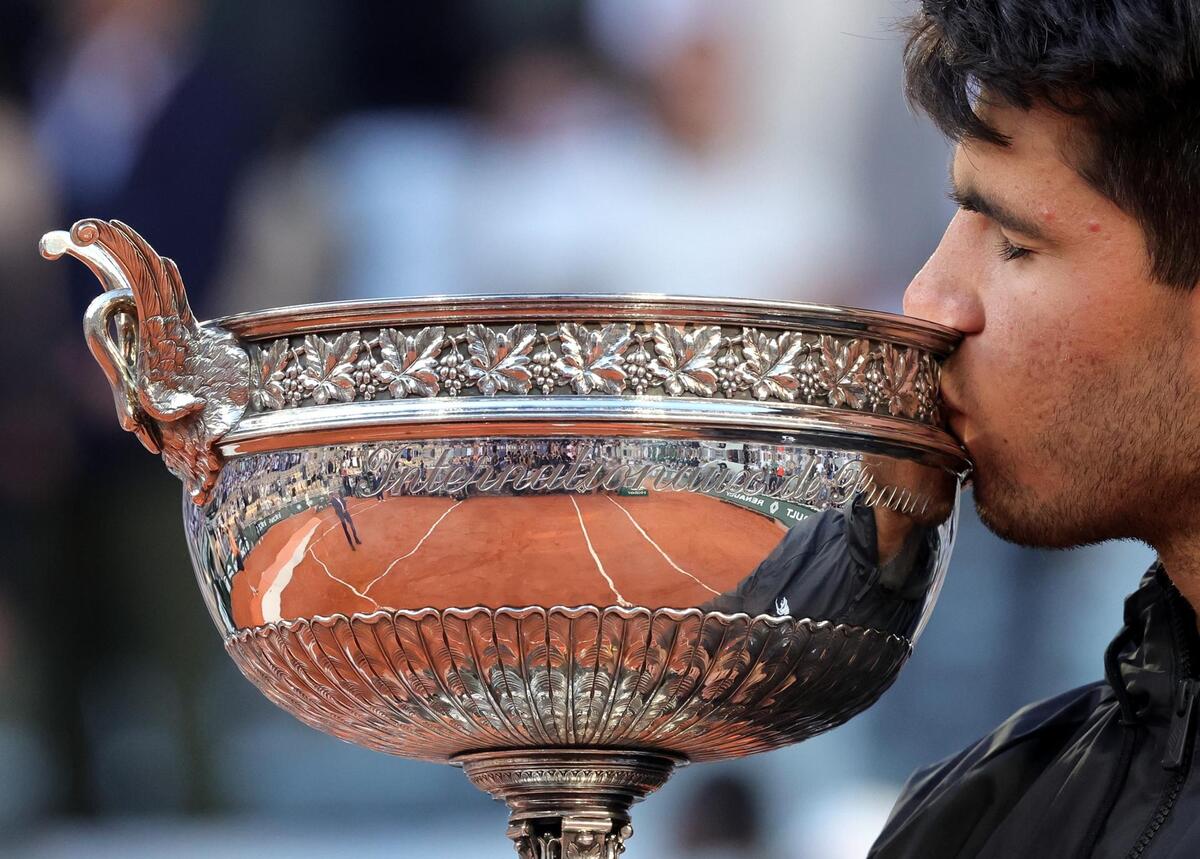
(1127, 70)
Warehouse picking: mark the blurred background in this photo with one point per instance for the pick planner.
(283, 153)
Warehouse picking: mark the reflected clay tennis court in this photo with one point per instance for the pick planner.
(659, 550)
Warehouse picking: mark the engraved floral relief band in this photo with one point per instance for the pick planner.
(565, 542)
(608, 358)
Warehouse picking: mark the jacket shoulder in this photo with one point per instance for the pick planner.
(946, 808)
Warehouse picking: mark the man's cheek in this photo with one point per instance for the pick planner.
(1011, 407)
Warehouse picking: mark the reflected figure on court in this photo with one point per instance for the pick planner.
(343, 514)
(869, 562)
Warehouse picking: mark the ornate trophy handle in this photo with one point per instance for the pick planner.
(117, 360)
(178, 385)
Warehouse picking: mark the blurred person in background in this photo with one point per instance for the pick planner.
(133, 113)
(722, 819)
(606, 146)
(37, 455)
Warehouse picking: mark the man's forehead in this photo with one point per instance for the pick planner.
(1032, 174)
(1040, 143)
(1038, 130)
(1032, 185)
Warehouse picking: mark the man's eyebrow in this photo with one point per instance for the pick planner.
(971, 200)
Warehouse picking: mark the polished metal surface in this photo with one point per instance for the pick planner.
(656, 417)
(547, 521)
(597, 785)
(565, 542)
(461, 310)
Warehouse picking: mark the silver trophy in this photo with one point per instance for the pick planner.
(567, 543)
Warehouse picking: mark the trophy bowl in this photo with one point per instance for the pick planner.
(567, 543)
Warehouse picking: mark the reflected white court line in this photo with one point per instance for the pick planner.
(413, 550)
(342, 582)
(659, 549)
(599, 566)
(281, 572)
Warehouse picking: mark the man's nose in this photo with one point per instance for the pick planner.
(944, 290)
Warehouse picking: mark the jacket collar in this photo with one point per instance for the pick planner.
(1156, 649)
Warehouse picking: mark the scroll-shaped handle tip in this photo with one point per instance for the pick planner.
(178, 385)
(54, 244)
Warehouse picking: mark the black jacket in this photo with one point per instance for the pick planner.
(826, 568)
(1103, 771)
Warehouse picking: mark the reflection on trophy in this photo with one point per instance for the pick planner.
(567, 543)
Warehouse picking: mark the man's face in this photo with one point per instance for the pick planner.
(1074, 388)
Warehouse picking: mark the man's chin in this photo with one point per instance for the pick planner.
(1016, 516)
(1006, 527)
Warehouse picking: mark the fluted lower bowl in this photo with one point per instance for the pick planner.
(435, 684)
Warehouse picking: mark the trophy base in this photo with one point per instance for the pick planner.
(569, 803)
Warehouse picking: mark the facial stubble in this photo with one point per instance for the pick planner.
(1117, 456)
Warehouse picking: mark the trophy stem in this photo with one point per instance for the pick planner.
(569, 803)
